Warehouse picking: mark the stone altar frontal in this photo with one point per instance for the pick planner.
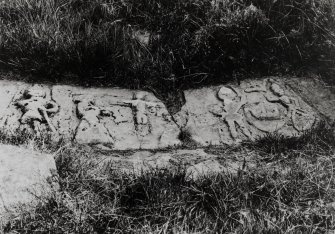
(229, 114)
(122, 119)
(117, 118)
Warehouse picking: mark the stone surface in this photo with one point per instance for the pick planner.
(26, 178)
(230, 114)
(196, 162)
(143, 161)
(205, 168)
(36, 108)
(122, 119)
(321, 96)
(9, 112)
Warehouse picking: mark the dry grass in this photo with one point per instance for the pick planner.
(296, 200)
(191, 41)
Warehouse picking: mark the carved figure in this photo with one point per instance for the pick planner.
(262, 114)
(90, 130)
(257, 87)
(36, 108)
(293, 112)
(265, 116)
(88, 111)
(264, 111)
(140, 106)
(232, 103)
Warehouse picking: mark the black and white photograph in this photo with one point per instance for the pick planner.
(167, 116)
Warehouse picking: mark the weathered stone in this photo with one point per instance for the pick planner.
(145, 161)
(26, 178)
(316, 93)
(205, 168)
(229, 114)
(122, 119)
(36, 108)
(9, 113)
(65, 120)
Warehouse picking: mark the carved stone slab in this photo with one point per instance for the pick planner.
(123, 119)
(230, 114)
(118, 118)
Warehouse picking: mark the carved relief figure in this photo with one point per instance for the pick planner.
(257, 87)
(88, 111)
(232, 103)
(90, 130)
(301, 120)
(36, 108)
(140, 107)
(262, 114)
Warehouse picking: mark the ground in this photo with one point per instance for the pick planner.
(277, 185)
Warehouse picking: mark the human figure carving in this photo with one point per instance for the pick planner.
(140, 105)
(232, 103)
(88, 111)
(36, 108)
(90, 130)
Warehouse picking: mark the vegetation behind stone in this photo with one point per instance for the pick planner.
(161, 43)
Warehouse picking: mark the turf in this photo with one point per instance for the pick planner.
(290, 191)
(162, 44)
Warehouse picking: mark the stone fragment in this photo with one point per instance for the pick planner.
(9, 113)
(316, 93)
(230, 114)
(26, 179)
(205, 168)
(146, 161)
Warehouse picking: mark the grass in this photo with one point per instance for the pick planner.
(295, 200)
(99, 41)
